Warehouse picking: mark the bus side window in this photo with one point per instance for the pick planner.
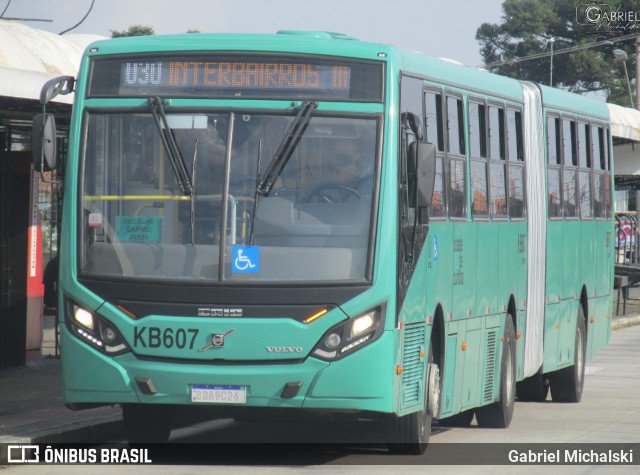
(599, 172)
(434, 125)
(515, 184)
(569, 164)
(497, 165)
(584, 174)
(434, 119)
(457, 158)
(554, 154)
(477, 130)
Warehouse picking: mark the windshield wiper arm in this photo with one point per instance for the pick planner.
(170, 145)
(287, 147)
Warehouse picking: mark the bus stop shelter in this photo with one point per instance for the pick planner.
(28, 58)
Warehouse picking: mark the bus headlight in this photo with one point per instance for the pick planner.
(351, 335)
(95, 330)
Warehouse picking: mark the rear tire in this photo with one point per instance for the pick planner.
(568, 383)
(499, 413)
(409, 435)
(147, 423)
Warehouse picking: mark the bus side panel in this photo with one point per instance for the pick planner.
(452, 372)
(599, 328)
(473, 362)
(512, 278)
(552, 313)
(464, 269)
(521, 298)
(487, 270)
(439, 249)
(566, 329)
(572, 259)
(555, 262)
(604, 258)
(599, 332)
(588, 258)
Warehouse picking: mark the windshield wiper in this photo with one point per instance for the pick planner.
(287, 147)
(170, 145)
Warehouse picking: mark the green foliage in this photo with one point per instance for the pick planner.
(134, 30)
(528, 26)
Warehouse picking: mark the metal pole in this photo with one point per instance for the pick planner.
(626, 73)
(552, 40)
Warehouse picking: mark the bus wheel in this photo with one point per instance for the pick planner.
(409, 434)
(147, 423)
(499, 413)
(533, 389)
(567, 384)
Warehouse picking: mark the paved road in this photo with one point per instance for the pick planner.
(609, 413)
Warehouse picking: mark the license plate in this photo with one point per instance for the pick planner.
(212, 393)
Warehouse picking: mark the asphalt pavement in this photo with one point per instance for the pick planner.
(32, 410)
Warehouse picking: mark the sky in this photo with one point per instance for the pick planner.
(442, 28)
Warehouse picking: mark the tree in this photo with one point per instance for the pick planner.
(529, 26)
(134, 30)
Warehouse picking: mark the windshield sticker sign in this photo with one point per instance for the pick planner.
(139, 228)
(245, 259)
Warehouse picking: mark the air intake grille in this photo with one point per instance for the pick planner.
(412, 363)
(491, 366)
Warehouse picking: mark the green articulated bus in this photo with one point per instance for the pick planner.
(266, 225)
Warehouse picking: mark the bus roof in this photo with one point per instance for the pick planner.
(575, 103)
(442, 71)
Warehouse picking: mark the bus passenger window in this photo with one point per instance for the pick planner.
(498, 194)
(516, 191)
(585, 193)
(569, 192)
(437, 200)
(478, 182)
(496, 133)
(554, 187)
(455, 124)
(433, 119)
(584, 146)
(554, 149)
(570, 151)
(477, 131)
(514, 135)
(457, 189)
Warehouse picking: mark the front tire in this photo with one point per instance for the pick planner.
(409, 435)
(499, 413)
(568, 383)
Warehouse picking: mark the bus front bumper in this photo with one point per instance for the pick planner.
(362, 381)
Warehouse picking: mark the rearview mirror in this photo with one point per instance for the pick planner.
(44, 143)
(422, 169)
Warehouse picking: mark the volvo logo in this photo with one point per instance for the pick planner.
(216, 340)
(284, 349)
(219, 312)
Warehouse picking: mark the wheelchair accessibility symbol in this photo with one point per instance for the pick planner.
(245, 259)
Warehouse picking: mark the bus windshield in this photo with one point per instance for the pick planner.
(314, 224)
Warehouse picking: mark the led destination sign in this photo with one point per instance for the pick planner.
(235, 76)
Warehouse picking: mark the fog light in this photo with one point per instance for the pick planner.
(108, 334)
(332, 341)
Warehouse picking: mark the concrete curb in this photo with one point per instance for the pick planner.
(625, 321)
